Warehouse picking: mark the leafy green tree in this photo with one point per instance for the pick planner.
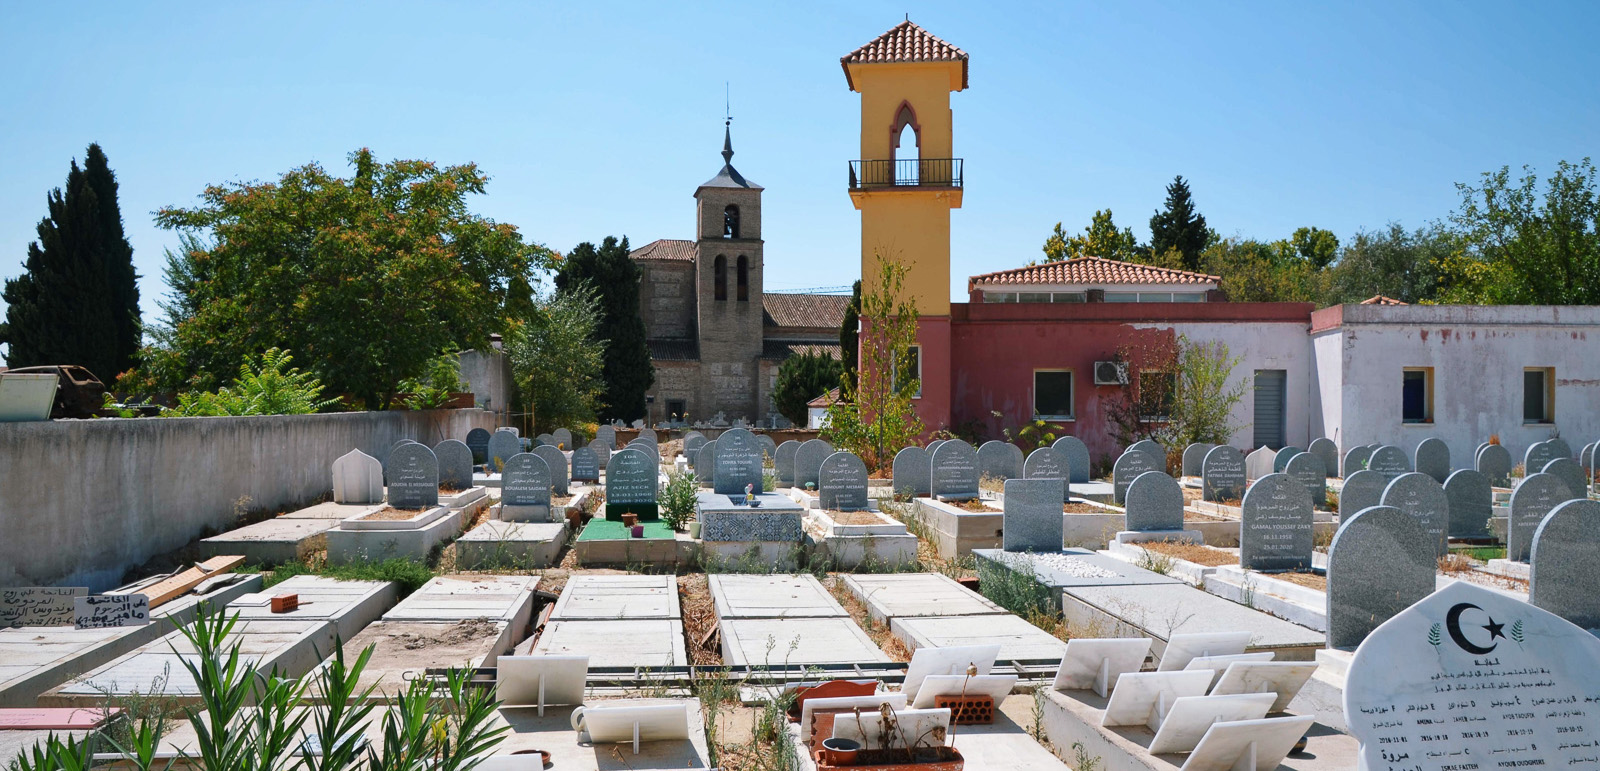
(1259, 271)
(555, 361)
(1101, 239)
(1405, 265)
(1179, 227)
(801, 378)
(875, 416)
(78, 300)
(265, 386)
(1180, 396)
(1537, 247)
(366, 278)
(1316, 246)
(434, 387)
(850, 333)
(614, 277)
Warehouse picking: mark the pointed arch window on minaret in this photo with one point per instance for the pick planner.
(719, 279)
(905, 146)
(730, 221)
(744, 278)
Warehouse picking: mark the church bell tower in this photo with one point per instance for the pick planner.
(728, 288)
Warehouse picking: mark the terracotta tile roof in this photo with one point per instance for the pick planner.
(907, 42)
(804, 310)
(1379, 299)
(673, 350)
(1090, 270)
(665, 249)
(825, 400)
(778, 350)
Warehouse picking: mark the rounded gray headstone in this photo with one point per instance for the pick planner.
(1049, 463)
(1531, 502)
(649, 433)
(1563, 576)
(910, 470)
(1001, 460)
(934, 445)
(1259, 462)
(1471, 501)
(953, 471)
(546, 438)
(769, 448)
(1586, 458)
(1389, 461)
(1494, 462)
(1193, 456)
(1155, 502)
(1130, 466)
(502, 445)
(557, 461)
(842, 483)
(563, 438)
(1433, 459)
(808, 461)
(1032, 520)
(1380, 563)
(392, 448)
(736, 463)
(1327, 452)
(606, 435)
(1537, 456)
(783, 463)
(647, 447)
(1157, 453)
(1476, 452)
(1280, 460)
(601, 450)
(1276, 524)
(1560, 447)
(585, 465)
(478, 442)
(631, 478)
(1306, 468)
(1077, 458)
(525, 481)
(1568, 471)
(1422, 499)
(704, 463)
(1362, 490)
(455, 464)
(1355, 460)
(413, 477)
(1222, 475)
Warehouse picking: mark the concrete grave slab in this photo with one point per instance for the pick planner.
(349, 605)
(522, 545)
(459, 598)
(772, 596)
(611, 597)
(328, 510)
(653, 642)
(890, 596)
(271, 542)
(1162, 610)
(780, 641)
(1018, 639)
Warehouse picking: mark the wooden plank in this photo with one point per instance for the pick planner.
(169, 589)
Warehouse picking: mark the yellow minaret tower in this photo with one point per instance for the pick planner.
(907, 181)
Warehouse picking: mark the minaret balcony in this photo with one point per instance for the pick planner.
(905, 174)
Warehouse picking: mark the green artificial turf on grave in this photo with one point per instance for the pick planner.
(607, 530)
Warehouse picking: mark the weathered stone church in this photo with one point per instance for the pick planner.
(716, 338)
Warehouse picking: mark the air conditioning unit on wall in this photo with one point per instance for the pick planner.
(1110, 373)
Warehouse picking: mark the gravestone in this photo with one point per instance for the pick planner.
(392, 448)
(557, 461)
(1048, 463)
(783, 463)
(526, 481)
(1362, 490)
(1389, 461)
(1130, 466)
(563, 438)
(585, 465)
(1275, 531)
(1154, 502)
(842, 483)
(1417, 496)
(737, 463)
(1433, 459)
(647, 447)
(649, 433)
(808, 460)
(1307, 469)
(1157, 453)
(1222, 476)
(953, 472)
(1560, 447)
(413, 477)
(1471, 502)
(769, 448)
(1380, 563)
(631, 485)
(1355, 460)
(39, 605)
(1494, 462)
(1568, 470)
(1586, 460)
(544, 439)
(502, 445)
(1077, 458)
(606, 435)
(1563, 577)
(357, 478)
(1193, 456)
(1002, 460)
(602, 452)
(705, 463)
(1280, 459)
(1259, 462)
(478, 442)
(1471, 679)
(934, 445)
(1032, 519)
(910, 471)
(1327, 452)
(1531, 502)
(1537, 456)
(108, 611)
(455, 464)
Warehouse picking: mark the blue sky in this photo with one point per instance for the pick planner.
(602, 119)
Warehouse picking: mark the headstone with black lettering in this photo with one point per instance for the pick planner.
(107, 611)
(1077, 458)
(1422, 499)
(413, 477)
(1433, 458)
(585, 465)
(478, 442)
(1471, 502)
(842, 483)
(1222, 476)
(1130, 466)
(39, 605)
(1380, 562)
(953, 471)
(737, 463)
(1275, 529)
(910, 469)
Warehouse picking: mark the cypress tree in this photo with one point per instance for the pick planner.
(1178, 226)
(77, 299)
(614, 276)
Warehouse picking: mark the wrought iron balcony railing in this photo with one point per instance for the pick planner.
(923, 172)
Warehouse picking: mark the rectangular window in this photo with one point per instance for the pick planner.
(1033, 297)
(1416, 395)
(1539, 395)
(913, 370)
(1052, 394)
(1069, 297)
(1155, 297)
(1122, 297)
(1156, 392)
(1188, 297)
(999, 297)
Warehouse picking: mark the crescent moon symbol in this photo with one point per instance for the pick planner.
(1452, 622)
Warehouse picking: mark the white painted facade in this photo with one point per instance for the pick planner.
(1478, 355)
(1263, 346)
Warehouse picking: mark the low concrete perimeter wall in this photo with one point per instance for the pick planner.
(81, 501)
